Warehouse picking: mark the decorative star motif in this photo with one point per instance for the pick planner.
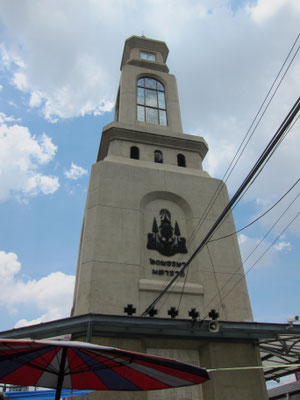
(129, 310)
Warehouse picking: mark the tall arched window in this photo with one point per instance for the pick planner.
(158, 156)
(181, 160)
(151, 101)
(134, 152)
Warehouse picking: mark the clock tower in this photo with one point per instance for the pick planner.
(147, 210)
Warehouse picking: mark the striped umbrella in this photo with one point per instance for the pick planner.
(85, 366)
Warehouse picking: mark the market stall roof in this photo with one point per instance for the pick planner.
(279, 344)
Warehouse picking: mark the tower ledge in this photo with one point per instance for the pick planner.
(135, 134)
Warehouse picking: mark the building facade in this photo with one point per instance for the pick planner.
(148, 207)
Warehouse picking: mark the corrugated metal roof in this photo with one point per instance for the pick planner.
(284, 350)
(290, 388)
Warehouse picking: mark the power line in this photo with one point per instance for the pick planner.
(262, 255)
(268, 159)
(223, 181)
(222, 184)
(258, 218)
(280, 132)
(255, 248)
(233, 233)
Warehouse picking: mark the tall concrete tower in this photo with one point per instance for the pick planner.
(145, 203)
(145, 214)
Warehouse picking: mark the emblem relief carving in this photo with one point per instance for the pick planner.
(165, 238)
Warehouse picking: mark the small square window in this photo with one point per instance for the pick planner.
(147, 56)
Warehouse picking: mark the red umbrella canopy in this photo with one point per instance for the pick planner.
(79, 365)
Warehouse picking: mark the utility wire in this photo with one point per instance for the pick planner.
(258, 218)
(280, 132)
(281, 139)
(268, 159)
(233, 233)
(264, 111)
(234, 163)
(215, 275)
(259, 172)
(262, 255)
(255, 248)
(222, 184)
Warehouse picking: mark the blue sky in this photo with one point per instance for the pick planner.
(59, 72)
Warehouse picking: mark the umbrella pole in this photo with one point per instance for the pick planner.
(61, 374)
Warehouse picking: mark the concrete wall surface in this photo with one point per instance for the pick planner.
(123, 200)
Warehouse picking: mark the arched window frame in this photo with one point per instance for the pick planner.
(158, 157)
(151, 101)
(134, 153)
(181, 160)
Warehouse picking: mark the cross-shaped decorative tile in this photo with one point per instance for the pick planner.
(152, 312)
(173, 312)
(129, 310)
(213, 314)
(194, 314)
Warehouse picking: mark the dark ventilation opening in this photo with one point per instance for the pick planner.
(181, 160)
(135, 153)
(158, 157)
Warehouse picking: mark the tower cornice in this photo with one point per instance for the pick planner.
(183, 142)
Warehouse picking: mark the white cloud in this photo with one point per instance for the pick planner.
(283, 246)
(51, 294)
(7, 59)
(4, 119)
(12, 103)
(21, 159)
(252, 250)
(75, 172)
(1, 87)
(41, 183)
(224, 62)
(62, 56)
(222, 155)
(242, 238)
(104, 107)
(35, 99)
(9, 267)
(20, 81)
(265, 9)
